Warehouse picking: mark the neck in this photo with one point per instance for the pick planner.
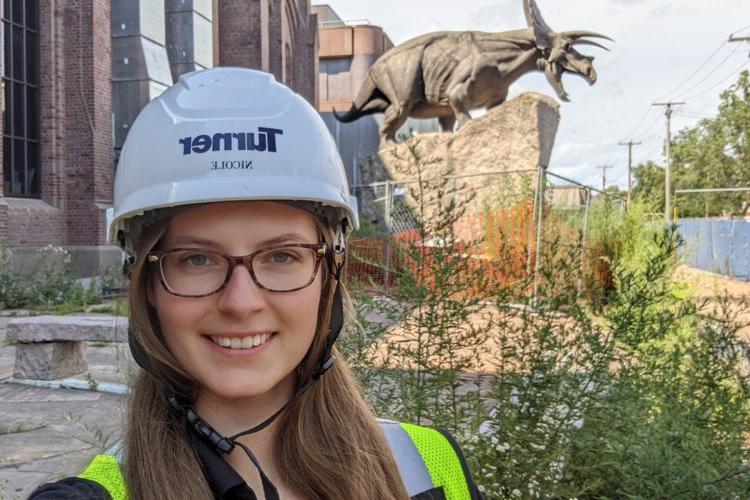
(230, 416)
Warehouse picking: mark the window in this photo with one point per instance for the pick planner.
(21, 114)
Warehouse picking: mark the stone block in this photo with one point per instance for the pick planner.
(516, 135)
(494, 158)
(68, 328)
(50, 360)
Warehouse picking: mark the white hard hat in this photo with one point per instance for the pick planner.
(226, 134)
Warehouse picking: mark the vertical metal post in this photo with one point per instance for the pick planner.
(388, 225)
(532, 222)
(584, 237)
(388, 206)
(539, 227)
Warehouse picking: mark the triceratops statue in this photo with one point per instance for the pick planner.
(446, 74)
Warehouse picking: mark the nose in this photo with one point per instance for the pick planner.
(241, 296)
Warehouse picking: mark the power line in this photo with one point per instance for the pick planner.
(710, 73)
(648, 129)
(696, 71)
(719, 82)
(643, 117)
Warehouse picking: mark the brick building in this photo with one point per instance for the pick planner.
(75, 74)
(347, 51)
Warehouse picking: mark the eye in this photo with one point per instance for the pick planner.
(197, 259)
(282, 257)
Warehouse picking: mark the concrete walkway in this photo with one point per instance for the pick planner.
(45, 433)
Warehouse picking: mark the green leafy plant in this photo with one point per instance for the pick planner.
(45, 279)
(644, 394)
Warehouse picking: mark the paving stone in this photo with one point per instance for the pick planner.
(54, 446)
(17, 393)
(50, 360)
(19, 485)
(23, 447)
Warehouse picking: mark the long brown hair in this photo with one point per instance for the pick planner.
(327, 442)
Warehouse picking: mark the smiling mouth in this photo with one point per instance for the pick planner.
(241, 342)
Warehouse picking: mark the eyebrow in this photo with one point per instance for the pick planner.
(197, 240)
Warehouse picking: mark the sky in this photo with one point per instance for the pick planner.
(674, 50)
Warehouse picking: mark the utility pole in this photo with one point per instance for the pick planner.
(738, 39)
(630, 145)
(604, 175)
(668, 174)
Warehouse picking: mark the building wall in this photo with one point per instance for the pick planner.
(87, 148)
(75, 130)
(277, 36)
(346, 54)
(305, 63)
(76, 104)
(244, 34)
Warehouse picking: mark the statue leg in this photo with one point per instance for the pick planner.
(394, 117)
(447, 123)
(457, 100)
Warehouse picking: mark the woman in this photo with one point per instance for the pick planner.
(232, 202)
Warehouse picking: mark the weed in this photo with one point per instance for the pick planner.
(92, 432)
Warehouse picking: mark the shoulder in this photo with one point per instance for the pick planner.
(433, 454)
(71, 488)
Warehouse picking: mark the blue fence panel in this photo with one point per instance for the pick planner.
(718, 246)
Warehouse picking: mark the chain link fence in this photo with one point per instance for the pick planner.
(511, 213)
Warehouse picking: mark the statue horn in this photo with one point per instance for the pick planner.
(590, 42)
(534, 18)
(575, 35)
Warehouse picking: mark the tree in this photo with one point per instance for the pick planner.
(713, 154)
(649, 185)
(716, 154)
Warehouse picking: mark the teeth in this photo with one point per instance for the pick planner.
(242, 343)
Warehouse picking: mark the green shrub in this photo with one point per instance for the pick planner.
(642, 395)
(46, 279)
(650, 400)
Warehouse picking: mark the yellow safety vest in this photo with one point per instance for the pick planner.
(426, 460)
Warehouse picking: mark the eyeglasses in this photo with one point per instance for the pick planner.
(194, 272)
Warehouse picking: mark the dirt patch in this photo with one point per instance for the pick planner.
(715, 288)
(707, 284)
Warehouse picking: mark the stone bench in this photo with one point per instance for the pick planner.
(53, 347)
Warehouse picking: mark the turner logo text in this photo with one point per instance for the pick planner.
(263, 140)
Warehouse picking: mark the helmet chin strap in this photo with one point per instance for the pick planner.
(225, 444)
